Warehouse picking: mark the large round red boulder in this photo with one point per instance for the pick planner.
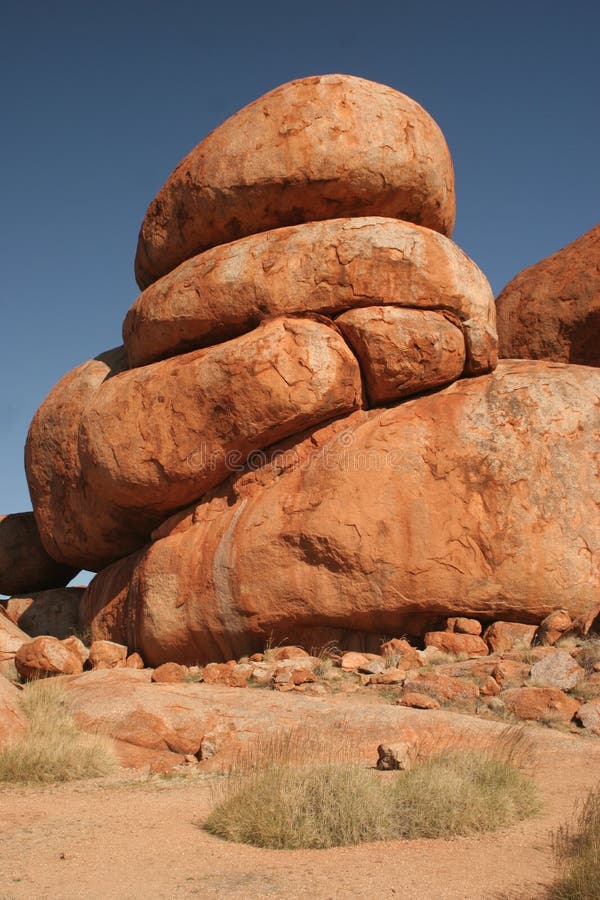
(320, 267)
(552, 309)
(481, 500)
(316, 148)
(143, 443)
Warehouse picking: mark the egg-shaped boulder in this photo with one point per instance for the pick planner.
(315, 148)
(319, 267)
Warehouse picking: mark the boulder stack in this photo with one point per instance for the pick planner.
(303, 436)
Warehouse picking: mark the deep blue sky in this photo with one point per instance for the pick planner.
(100, 101)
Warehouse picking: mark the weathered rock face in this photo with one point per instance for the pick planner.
(24, 563)
(58, 492)
(45, 656)
(11, 638)
(152, 440)
(552, 309)
(467, 502)
(312, 149)
(403, 351)
(54, 613)
(12, 720)
(320, 267)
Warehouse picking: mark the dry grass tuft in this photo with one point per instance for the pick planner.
(304, 790)
(577, 848)
(53, 749)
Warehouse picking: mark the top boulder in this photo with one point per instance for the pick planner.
(313, 149)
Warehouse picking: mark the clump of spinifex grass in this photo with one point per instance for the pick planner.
(577, 848)
(53, 749)
(300, 791)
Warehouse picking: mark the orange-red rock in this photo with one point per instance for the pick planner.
(76, 646)
(289, 652)
(454, 642)
(154, 439)
(397, 519)
(558, 670)
(589, 716)
(588, 622)
(508, 672)
(134, 661)
(489, 687)
(169, 673)
(540, 703)
(352, 660)
(11, 638)
(12, 719)
(554, 626)
(44, 656)
(24, 563)
(463, 626)
(403, 351)
(107, 655)
(501, 636)
(443, 688)
(165, 718)
(228, 673)
(552, 309)
(64, 510)
(321, 267)
(311, 149)
(418, 701)
(52, 612)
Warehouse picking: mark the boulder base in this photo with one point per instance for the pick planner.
(475, 500)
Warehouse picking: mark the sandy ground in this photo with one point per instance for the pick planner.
(137, 839)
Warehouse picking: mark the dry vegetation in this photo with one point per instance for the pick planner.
(577, 847)
(53, 749)
(298, 791)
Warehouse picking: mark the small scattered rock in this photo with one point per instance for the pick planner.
(495, 705)
(464, 626)
(418, 701)
(388, 676)
(489, 687)
(444, 689)
(134, 661)
(558, 670)
(394, 757)
(501, 636)
(170, 673)
(546, 704)
(44, 656)
(511, 672)
(372, 666)
(229, 673)
(293, 677)
(457, 643)
(589, 621)
(553, 627)
(288, 653)
(589, 716)
(408, 656)
(352, 660)
(107, 655)
(78, 647)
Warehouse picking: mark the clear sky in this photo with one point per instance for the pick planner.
(101, 100)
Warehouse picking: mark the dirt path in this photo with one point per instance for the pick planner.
(131, 840)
